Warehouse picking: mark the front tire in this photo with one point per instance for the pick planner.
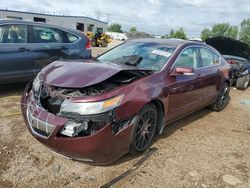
(144, 129)
(222, 99)
(243, 82)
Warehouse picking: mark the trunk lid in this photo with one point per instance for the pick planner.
(228, 46)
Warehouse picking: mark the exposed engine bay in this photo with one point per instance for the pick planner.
(51, 98)
(121, 78)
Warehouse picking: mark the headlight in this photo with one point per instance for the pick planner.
(36, 83)
(89, 108)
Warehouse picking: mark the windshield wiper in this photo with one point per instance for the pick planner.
(132, 60)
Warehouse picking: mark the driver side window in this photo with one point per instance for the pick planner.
(188, 58)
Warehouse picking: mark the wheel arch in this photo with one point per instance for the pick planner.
(228, 82)
(160, 115)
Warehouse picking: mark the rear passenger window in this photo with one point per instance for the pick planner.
(46, 35)
(71, 38)
(13, 34)
(208, 58)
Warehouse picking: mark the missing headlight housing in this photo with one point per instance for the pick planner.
(79, 125)
(85, 128)
(72, 129)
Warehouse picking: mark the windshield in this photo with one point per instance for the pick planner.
(150, 56)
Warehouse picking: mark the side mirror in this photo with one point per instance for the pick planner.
(184, 70)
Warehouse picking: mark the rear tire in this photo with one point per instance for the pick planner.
(144, 130)
(222, 99)
(243, 82)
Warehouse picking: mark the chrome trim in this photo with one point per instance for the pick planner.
(189, 74)
(197, 46)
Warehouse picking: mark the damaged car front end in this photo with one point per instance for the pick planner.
(83, 119)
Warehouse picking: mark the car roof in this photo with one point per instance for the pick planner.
(39, 24)
(168, 42)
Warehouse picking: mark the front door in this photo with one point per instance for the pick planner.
(184, 90)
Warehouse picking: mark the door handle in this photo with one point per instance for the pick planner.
(23, 49)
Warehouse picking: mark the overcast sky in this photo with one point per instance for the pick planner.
(152, 16)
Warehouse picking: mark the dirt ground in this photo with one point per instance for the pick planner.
(205, 149)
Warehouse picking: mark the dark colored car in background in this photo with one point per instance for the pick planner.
(100, 110)
(26, 47)
(237, 54)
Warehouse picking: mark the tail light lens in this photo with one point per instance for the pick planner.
(88, 45)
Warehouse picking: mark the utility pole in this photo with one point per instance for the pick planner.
(108, 16)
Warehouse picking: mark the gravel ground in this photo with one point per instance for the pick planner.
(205, 149)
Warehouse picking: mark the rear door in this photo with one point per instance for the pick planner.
(209, 74)
(15, 55)
(48, 46)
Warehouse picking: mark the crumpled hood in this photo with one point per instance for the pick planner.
(228, 46)
(73, 74)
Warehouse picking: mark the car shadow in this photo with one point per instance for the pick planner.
(168, 130)
(12, 89)
(143, 157)
(182, 123)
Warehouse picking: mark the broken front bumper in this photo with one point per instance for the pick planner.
(102, 147)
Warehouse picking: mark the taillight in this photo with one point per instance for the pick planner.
(88, 45)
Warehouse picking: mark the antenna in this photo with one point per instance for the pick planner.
(61, 23)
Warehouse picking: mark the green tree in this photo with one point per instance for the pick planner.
(205, 34)
(133, 29)
(179, 34)
(115, 27)
(245, 31)
(171, 34)
(232, 32)
(221, 29)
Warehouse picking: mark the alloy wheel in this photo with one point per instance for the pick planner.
(145, 129)
(223, 96)
(247, 81)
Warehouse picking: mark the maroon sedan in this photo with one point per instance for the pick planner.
(99, 110)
